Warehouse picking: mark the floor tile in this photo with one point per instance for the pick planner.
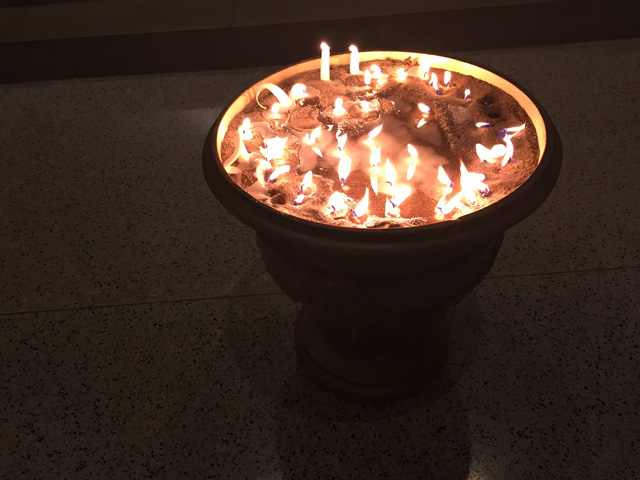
(591, 219)
(541, 384)
(104, 200)
(118, 17)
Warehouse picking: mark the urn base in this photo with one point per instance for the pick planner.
(372, 370)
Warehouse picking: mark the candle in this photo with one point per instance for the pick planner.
(324, 63)
(354, 65)
(278, 171)
(344, 168)
(363, 206)
(447, 78)
(467, 93)
(413, 161)
(434, 82)
(423, 69)
(425, 110)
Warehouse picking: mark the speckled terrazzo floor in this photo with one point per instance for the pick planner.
(140, 336)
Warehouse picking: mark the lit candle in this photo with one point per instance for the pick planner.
(307, 181)
(310, 138)
(425, 113)
(447, 78)
(424, 68)
(363, 206)
(413, 161)
(277, 172)
(390, 173)
(467, 93)
(354, 65)
(367, 77)
(434, 82)
(342, 140)
(324, 63)
(245, 129)
(344, 168)
(402, 74)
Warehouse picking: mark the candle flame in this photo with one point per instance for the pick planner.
(310, 138)
(467, 93)
(434, 82)
(390, 210)
(509, 150)
(424, 109)
(515, 130)
(490, 155)
(376, 72)
(508, 154)
(374, 181)
(447, 78)
(275, 108)
(366, 106)
(413, 161)
(245, 129)
(277, 172)
(362, 207)
(472, 183)
(273, 147)
(338, 109)
(367, 77)
(344, 168)
(298, 91)
(375, 132)
(336, 202)
(402, 74)
(342, 140)
(425, 66)
(444, 179)
(400, 195)
(374, 159)
(389, 173)
(298, 200)
(483, 125)
(412, 150)
(444, 208)
(317, 150)
(307, 181)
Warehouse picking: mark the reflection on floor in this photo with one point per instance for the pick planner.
(142, 337)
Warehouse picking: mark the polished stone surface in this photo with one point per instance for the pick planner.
(542, 383)
(140, 335)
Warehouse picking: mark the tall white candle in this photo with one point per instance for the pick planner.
(354, 66)
(324, 65)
